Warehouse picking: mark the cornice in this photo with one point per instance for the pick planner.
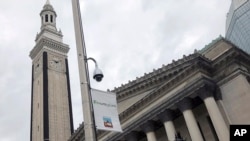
(49, 44)
(211, 44)
(156, 77)
(45, 29)
(198, 65)
(231, 61)
(232, 76)
(235, 53)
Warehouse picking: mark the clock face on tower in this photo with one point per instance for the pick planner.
(56, 63)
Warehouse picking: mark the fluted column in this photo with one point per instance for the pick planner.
(149, 128)
(167, 118)
(185, 107)
(132, 136)
(215, 115)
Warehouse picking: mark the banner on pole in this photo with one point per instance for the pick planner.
(105, 110)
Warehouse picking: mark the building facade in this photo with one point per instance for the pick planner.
(197, 96)
(237, 24)
(51, 112)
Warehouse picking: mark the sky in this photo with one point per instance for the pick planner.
(127, 38)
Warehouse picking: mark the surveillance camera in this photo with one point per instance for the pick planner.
(98, 75)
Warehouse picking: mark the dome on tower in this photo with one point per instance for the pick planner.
(48, 7)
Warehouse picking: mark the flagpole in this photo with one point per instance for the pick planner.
(89, 125)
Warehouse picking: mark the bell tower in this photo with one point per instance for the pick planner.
(51, 111)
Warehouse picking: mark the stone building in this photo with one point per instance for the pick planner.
(197, 96)
(51, 114)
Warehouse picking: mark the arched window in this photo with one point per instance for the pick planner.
(46, 18)
(51, 18)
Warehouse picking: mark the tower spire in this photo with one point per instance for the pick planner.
(48, 2)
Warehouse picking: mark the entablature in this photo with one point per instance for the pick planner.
(157, 77)
(233, 60)
(199, 67)
(157, 74)
(51, 45)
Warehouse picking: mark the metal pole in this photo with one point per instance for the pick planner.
(89, 128)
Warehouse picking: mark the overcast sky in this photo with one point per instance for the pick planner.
(127, 37)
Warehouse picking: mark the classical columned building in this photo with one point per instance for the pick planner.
(51, 112)
(197, 96)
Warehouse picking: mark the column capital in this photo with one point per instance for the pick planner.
(132, 136)
(167, 115)
(206, 91)
(185, 104)
(148, 126)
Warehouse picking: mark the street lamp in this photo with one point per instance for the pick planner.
(89, 125)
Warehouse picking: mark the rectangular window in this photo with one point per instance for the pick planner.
(46, 18)
(51, 18)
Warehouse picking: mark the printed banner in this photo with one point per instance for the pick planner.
(105, 110)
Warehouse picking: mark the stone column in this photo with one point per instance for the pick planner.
(167, 118)
(149, 128)
(185, 107)
(132, 136)
(215, 114)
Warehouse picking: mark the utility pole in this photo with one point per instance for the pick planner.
(89, 128)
